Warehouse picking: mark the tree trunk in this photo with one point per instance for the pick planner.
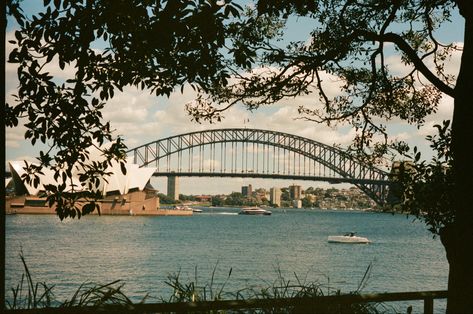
(458, 238)
(460, 285)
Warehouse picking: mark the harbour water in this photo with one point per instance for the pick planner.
(143, 251)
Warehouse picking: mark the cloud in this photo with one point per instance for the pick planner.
(402, 136)
(444, 112)
(60, 75)
(132, 105)
(451, 65)
(14, 137)
(445, 109)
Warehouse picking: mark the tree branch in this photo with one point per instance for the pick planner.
(412, 55)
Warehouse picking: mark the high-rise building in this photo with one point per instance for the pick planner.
(295, 192)
(247, 191)
(275, 196)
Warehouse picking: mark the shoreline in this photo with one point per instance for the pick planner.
(114, 207)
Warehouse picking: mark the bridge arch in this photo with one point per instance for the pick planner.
(272, 148)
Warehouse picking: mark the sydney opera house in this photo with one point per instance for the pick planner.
(123, 194)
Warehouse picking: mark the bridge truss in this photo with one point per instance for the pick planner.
(259, 154)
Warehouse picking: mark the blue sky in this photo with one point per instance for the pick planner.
(141, 117)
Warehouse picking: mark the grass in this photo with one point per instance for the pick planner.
(34, 295)
(29, 294)
(280, 288)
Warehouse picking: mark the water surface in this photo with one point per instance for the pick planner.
(143, 251)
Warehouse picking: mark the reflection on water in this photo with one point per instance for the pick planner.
(143, 251)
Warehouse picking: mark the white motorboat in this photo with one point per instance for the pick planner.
(183, 207)
(254, 211)
(349, 237)
(188, 208)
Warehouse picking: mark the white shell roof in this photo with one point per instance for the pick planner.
(135, 177)
(17, 170)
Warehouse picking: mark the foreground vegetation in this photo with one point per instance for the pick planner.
(29, 294)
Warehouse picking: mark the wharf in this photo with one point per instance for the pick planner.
(38, 206)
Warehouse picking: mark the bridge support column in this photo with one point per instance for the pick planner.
(173, 187)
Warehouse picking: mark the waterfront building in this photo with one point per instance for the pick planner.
(261, 195)
(311, 197)
(297, 203)
(203, 198)
(275, 196)
(123, 194)
(295, 192)
(247, 191)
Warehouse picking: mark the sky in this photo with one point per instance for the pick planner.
(141, 117)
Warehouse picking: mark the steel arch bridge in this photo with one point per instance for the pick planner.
(242, 152)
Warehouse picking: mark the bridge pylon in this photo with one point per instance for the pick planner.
(173, 187)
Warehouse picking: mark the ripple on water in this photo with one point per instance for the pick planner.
(143, 251)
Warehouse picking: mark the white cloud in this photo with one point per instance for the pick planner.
(451, 64)
(445, 109)
(132, 105)
(52, 68)
(403, 136)
(444, 112)
(14, 137)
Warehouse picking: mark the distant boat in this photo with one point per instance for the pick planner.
(254, 211)
(183, 207)
(349, 237)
